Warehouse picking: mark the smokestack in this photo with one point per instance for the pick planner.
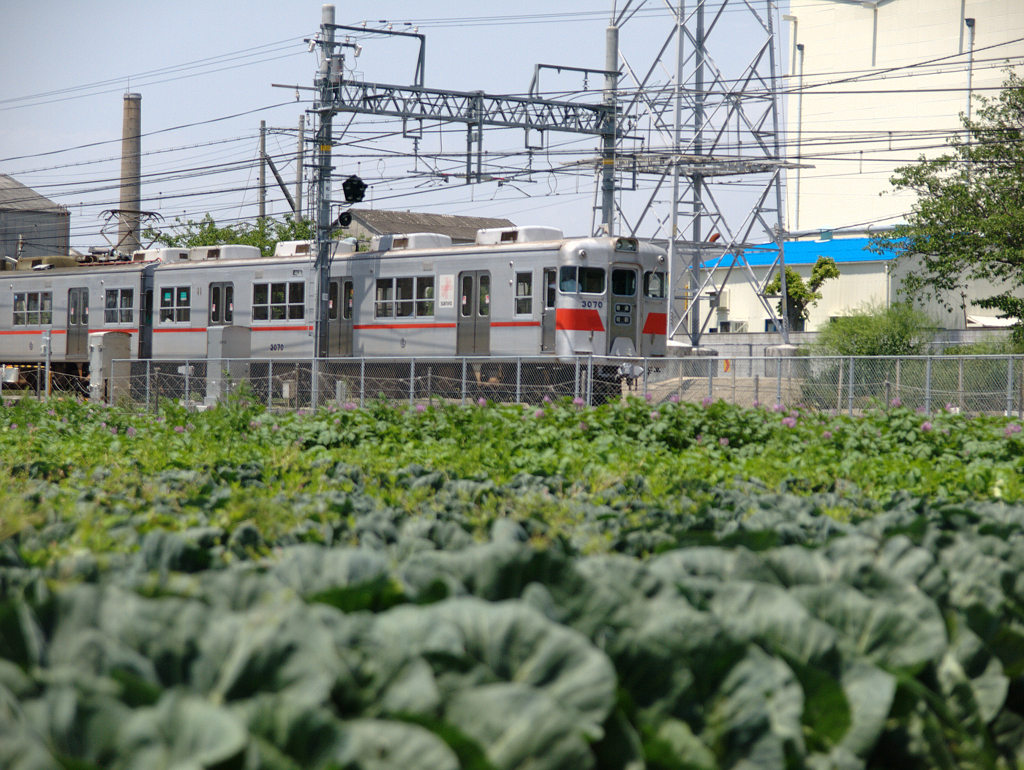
(131, 176)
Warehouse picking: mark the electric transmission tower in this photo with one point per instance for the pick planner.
(715, 153)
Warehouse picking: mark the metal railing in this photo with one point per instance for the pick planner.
(849, 384)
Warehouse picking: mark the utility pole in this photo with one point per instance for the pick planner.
(327, 82)
(608, 139)
(263, 169)
(298, 169)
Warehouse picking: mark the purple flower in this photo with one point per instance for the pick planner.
(577, 402)
(130, 432)
(756, 403)
(655, 415)
(827, 434)
(253, 425)
(420, 408)
(539, 413)
(789, 422)
(179, 429)
(706, 401)
(583, 426)
(14, 426)
(547, 399)
(481, 401)
(895, 402)
(113, 431)
(1013, 428)
(674, 398)
(723, 441)
(649, 397)
(926, 426)
(778, 408)
(349, 406)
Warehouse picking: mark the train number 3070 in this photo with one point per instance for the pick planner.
(593, 303)
(276, 346)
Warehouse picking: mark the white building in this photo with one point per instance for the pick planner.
(873, 85)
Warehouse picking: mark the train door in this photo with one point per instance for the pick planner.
(473, 333)
(547, 317)
(624, 312)
(78, 322)
(146, 322)
(339, 317)
(222, 304)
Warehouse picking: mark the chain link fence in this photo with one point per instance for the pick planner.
(970, 384)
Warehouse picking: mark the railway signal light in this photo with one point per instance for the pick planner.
(354, 189)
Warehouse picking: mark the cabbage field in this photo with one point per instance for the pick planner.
(499, 587)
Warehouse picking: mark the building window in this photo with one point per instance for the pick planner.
(278, 301)
(119, 306)
(586, 280)
(222, 304)
(176, 304)
(404, 297)
(33, 308)
(524, 293)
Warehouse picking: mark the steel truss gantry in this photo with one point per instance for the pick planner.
(696, 133)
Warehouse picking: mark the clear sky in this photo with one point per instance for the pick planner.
(205, 72)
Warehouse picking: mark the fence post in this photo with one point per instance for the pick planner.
(148, 363)
(839, 387)
(519, 379)
(590, 379)
(928, 385)
(187, 369)
(851, 379)
(464, 381)
(412, 380)
(757, 389)
(960, 383)
(711, 376)
(1009, 386)
(898, 374)
(362, 382)
(888, 393)
(270, 383)
(576, 380)
(778, 380)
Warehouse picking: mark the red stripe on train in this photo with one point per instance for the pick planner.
(578, 320)
(655, 323)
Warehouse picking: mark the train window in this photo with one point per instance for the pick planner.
(260, 302)
(524, 293)
(176, 304)
(384, 307)
(278, 301)
(33, 308)
(655, 285)
(589, 280)
(404, 307)
(485, 294)
(425, 295)
(348, 300)
(332, 301)
(119, 306)
(296, 301)
(222, 300)
(466, 308)
(624, 283)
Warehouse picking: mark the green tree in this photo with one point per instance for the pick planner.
(801, 296)
(968, 221)
(265, 234)
(877, 330)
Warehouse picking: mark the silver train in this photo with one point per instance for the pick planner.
(524, 292)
